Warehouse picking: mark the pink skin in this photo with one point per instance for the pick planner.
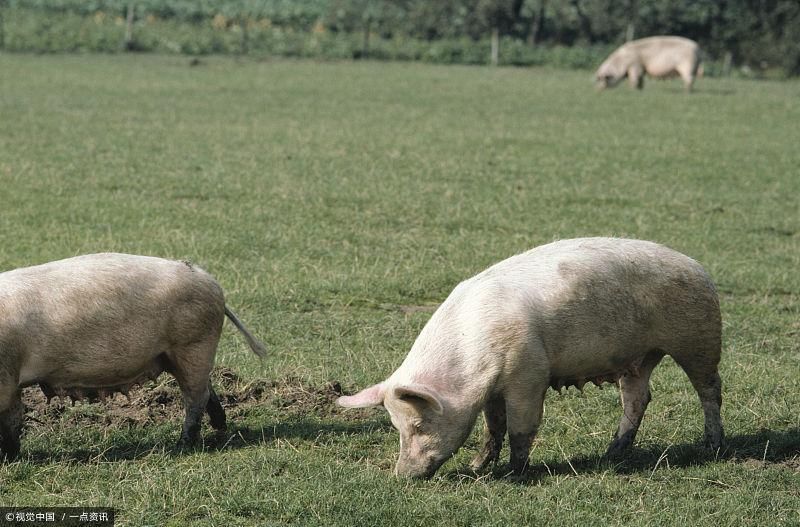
(566, 313)
(658, 57)
(372, 396)
(429, 433)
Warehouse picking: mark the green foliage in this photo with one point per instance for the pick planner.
(294, 13)
(30, 31)
(763, 36)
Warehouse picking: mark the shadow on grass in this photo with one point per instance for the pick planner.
(763, 447)
(714, 91)
(702, 89)
(133, 447)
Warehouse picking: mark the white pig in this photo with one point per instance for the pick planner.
(659, 57)
(590, 309)
(92, 325)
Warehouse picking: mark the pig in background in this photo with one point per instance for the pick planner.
(92, 325)
(659, 57)
(570, 312)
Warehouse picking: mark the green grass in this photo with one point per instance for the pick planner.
(325, 196)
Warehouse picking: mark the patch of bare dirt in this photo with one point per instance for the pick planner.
(161, 401)
(792, 463)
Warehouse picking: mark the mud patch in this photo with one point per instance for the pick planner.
(792, 463)
(161, 401)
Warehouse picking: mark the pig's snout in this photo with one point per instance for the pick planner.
(412, 472)
(424, 469)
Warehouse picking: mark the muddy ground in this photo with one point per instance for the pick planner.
(160, 401)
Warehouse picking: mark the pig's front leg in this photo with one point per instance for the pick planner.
(636, 76)
(524, 410)
(494, 414)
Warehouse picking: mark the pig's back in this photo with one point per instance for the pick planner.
(104, 278)
(653, 47)
(594, 301)
(566, 264)
(661, 55)
(541, 265)
(90, 305)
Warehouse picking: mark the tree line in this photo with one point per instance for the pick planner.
(757, 34)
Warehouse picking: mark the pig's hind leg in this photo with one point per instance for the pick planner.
(494, 414)
(634, 391)
(10, 423)
(216, 414)
(194, 402)
(191, 366)
(687, 74)
(706, 381)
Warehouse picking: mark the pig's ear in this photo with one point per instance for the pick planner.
(417, 393)
(372, 396)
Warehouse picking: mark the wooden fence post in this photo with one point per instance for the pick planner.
(365, 38)
(495, 46)
(245, 43)
(2, 24)
(727, 63)
(128, 43)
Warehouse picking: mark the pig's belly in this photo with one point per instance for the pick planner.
(597, 364)
(92, 381)
(662, 69)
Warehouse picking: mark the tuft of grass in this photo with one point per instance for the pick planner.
(337, 204)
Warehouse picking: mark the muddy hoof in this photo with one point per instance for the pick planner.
(186, 445)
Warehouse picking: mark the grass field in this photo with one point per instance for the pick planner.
(338, 204)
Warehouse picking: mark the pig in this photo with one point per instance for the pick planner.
(659, 57)
(92, 325)
(562, 314)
